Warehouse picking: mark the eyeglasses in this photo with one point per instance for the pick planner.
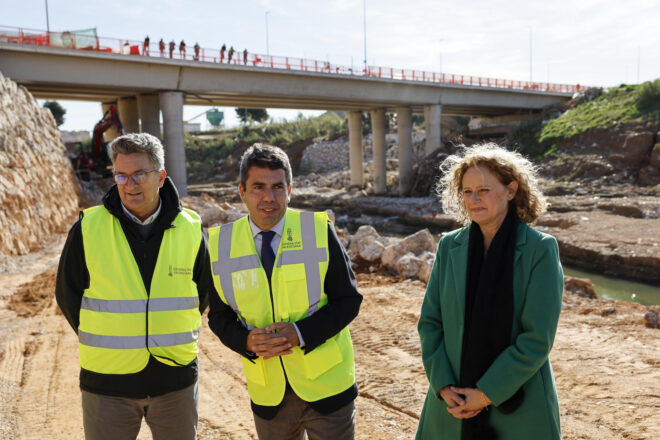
(138, 178)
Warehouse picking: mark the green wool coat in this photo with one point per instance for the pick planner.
(537, 288)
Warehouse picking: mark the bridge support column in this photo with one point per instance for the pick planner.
(128, 114)
(111, 133)
(404, 128)
(432, 113)
(355, 145)
(149, 114)
(171, 104)
(379, 145)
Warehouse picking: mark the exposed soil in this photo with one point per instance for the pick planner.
(606, 365)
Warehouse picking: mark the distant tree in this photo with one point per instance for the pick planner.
(57, 111)
(246, 115)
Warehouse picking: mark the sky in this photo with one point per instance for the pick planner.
(588, 42)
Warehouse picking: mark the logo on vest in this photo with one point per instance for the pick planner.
(179, 271)
(290, 243)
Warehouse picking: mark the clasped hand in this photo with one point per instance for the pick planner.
(464, 403)
(277, 339)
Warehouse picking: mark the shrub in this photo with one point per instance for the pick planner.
(648, 96)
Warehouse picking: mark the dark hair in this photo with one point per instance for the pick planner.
(265, 156)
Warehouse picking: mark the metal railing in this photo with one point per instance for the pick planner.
(74, 40)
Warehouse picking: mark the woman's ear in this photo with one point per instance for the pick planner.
(512, 189)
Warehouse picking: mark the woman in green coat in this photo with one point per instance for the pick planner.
(491, 308)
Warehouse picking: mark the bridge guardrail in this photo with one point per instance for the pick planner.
(85, 41)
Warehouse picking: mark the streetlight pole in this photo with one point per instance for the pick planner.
(364, 14)
(267, 48)
(47, 21)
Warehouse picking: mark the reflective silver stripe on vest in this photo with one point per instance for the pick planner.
(225, 265)
(310, 256)
(139, 305)
(132, 342)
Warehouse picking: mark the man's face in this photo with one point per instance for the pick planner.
(140, 199)
(266, 195)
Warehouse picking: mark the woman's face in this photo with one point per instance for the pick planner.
(486, 198)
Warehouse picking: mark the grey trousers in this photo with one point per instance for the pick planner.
(296, 417)
(170, 416)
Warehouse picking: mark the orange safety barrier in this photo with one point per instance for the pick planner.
(33, 37)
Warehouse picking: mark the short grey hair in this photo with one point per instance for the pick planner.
(139, 143)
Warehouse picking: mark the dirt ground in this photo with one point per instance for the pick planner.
(607, 368)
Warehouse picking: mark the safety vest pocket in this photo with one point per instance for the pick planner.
(322, 359)
(254, 371)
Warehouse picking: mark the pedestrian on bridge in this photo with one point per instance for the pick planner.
(222, 53)
(284, 294)
(182, 50)
(172, 45)
(133, 282)
(231, 53)
(245, 56)
(196, 47)
(145, 46)
(161, 47)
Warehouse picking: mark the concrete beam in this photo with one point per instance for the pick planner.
(355, 145)
(128, 114)
(149, 114)
(171, 104)
(111, 133)
(379, 147)
(432, 115)
(404, 128)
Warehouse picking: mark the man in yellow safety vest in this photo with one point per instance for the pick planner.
(285, 294)
(133, 281)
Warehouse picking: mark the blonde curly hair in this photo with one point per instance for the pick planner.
(505, 165)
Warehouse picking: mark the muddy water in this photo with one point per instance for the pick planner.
(620, 289)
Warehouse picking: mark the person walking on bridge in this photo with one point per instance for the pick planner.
(172, 45)
(145, 46)
(222, 53)
(132, 282)
(161, 48)
(196, 47)
(283, 295)
(245, 56)
(182, 50)
(231, 53)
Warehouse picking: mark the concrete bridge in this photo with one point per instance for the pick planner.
(144, 86)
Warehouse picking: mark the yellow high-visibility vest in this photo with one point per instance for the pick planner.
(297, 291)
(119, 323)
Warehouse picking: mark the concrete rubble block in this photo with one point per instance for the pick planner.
(367, 244)
(409, 266)
(208, 209)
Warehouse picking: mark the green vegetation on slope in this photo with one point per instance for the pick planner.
(626, 103)
(204, 151)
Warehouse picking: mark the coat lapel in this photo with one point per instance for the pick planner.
(458, 256)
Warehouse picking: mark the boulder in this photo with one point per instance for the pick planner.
(651, 318)
(649, 176)
(655, 156)
(367, 244)
(409, 266)
(637, 146)
(580, 286)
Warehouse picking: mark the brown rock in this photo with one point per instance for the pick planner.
(655, 156)
(580, 286)
(38, 189)
(637, 146)
(651, 318)
(607, 311)
(649, 176)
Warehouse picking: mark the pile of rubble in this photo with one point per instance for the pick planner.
(38, 189)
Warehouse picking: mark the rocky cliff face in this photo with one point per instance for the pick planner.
(38, 189)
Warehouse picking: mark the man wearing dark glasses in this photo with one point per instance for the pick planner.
(133, 281)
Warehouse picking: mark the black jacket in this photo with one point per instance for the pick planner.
(343, 305)
(73, 278)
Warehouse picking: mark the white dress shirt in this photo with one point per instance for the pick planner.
(275, 244)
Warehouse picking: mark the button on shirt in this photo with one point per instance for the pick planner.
(275, 244)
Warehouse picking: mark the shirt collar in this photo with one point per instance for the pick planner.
(277, 229)
(149, 220)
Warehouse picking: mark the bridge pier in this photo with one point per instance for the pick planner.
(432, 113)
(111, 133)
(171, 104)
(128, 114)
(404, 129)
(379, 148)
(355, 144)
(149, 114)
